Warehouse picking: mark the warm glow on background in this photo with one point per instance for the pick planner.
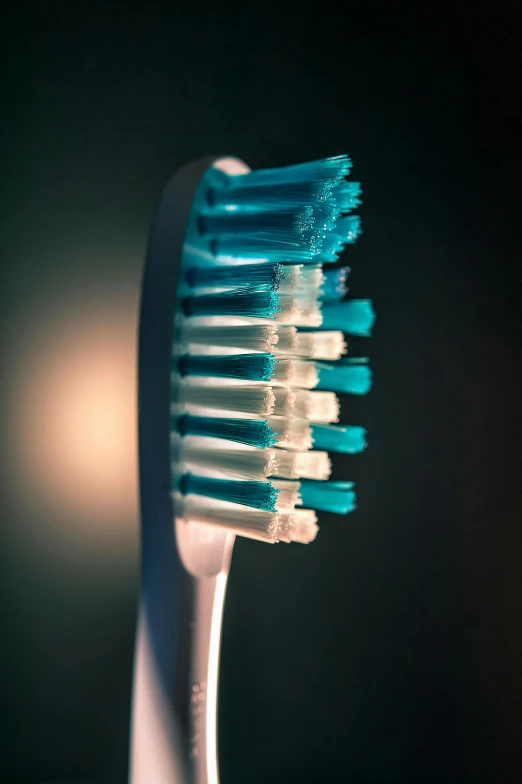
(75, 421)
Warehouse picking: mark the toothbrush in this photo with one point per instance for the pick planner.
(241, 357)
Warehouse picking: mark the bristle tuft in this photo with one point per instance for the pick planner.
(251, 432)
(246, 302)
(245, 367)
(259, 495)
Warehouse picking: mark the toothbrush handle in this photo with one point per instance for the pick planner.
(209, 595)
(174, 722)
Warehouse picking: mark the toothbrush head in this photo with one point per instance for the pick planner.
(260, 319)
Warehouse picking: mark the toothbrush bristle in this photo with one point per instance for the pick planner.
(251, 432)
(355, 316)
(259, 495)
(259, 338)
(255, 275)
(328, 496)
(297, 525)
(254, 464)
(257, 399)
(253, 337)
(345, 376)
(248, 302)
(246, 367)
(334, 287)
(347, 195)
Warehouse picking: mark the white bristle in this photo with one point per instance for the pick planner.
(288, 495)
(291, 279)
(289, 311)
(286, 340)
(320, 345)
(252, 337)
(284, 401)
(312, 465)
(299, 525)
(310, 314)
(302, 311)
(303, 404)
(302, 526)
(276, 338)
(252, 399)
(241, 464)
(257, 400)
(301, 280)
(300, 465)
(294, 434)
(252, 464)
(317, 406)
(295, 373)
(312, 278)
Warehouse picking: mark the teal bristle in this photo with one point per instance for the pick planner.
(354, 316)
(326, 215)
(251, 432)
(314, 171)
(347, 195)
(349, 439)
(288, 194)
(254, 275)
(330, 248)
(273, 222)
(247, 302)
(344, 376)
(238, 293)
(338, 497)
(334, 285)
(349, 228)
(245, 367)
(259, 495)
(293, 247)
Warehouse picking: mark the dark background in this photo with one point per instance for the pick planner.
(390, 650)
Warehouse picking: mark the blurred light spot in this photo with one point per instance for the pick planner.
(76, 420)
